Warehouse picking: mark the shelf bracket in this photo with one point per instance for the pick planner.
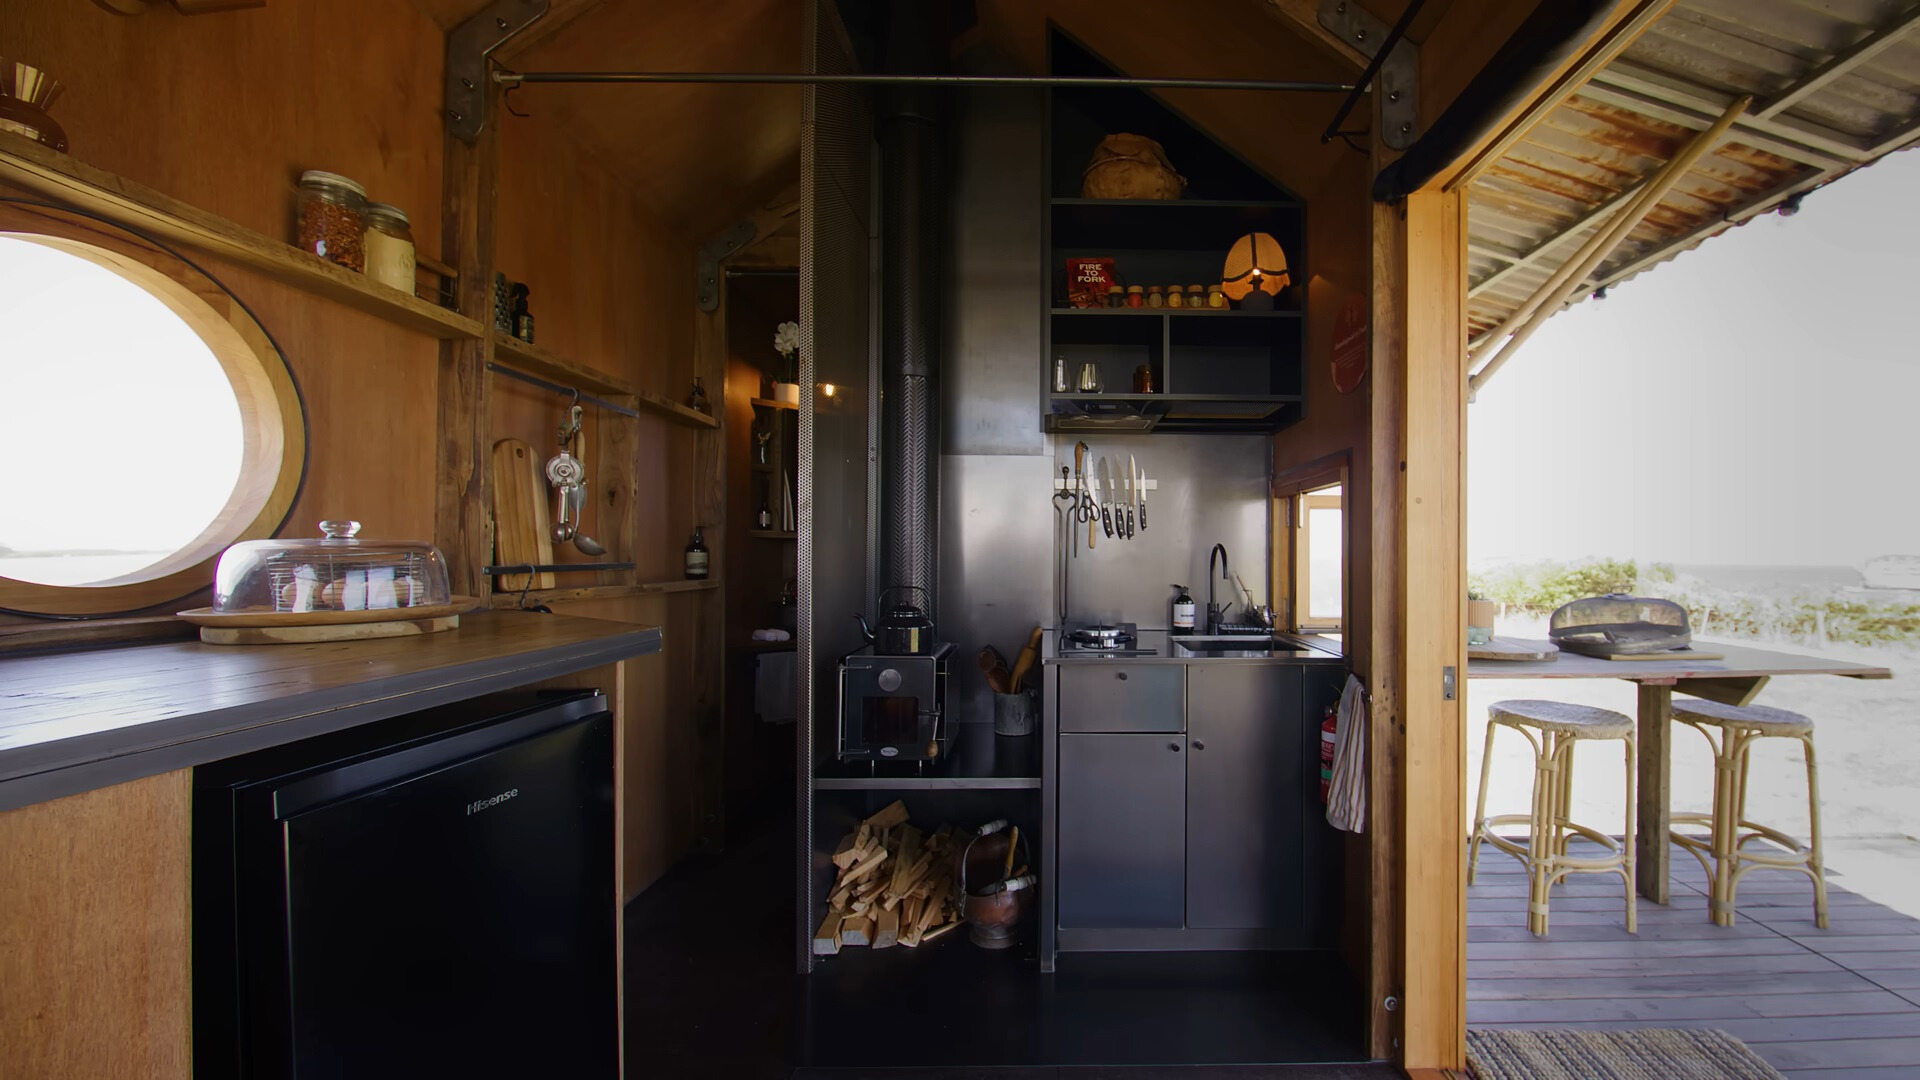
(468, 83)
(707, 269)
(1398, 85)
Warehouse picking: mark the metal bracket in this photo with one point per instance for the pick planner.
(707, 261)
(1398, 89)
(1448, 683)
(468, 46)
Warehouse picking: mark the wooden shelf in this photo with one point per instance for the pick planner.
(772, 404)
(683, 585)
(511, 599)
(544, 362)
(772, 534)
(32, 167)
(550, 365)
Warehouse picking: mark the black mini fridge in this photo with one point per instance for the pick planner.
(431, 895)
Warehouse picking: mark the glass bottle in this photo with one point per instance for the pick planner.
(764, 520)
(1060, 373)
(697, 554)
(697, 398)
(1089, 378)
(389, 243)
(332, 218)
(1182, 612)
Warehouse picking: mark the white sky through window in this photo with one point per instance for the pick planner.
(120, 436)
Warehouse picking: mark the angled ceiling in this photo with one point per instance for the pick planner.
(1836, 86)
(702, 156)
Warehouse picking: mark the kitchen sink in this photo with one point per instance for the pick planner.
(1243, 647)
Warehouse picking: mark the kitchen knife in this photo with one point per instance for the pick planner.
(1082, 507)
(1106, 498)
(1143, 498)
(1132, 495)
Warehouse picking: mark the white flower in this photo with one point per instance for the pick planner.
(786, 338)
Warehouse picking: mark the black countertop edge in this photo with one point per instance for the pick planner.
(56, 768)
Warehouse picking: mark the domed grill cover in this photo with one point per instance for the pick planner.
(1620, 625)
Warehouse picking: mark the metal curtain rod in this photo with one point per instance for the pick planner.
(1373, 68)
(516, 78)
(535, 380)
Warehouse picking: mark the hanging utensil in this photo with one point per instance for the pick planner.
(1106, 498)
(587, 544)
(1143, 499)
(1086, 512)
(1132, 497)
(1064, 502)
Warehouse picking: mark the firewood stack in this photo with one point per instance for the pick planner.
(895, 886)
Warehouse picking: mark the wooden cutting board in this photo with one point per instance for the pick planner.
(520, 521)
(1507, 648)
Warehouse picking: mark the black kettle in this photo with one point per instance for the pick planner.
(904, 629)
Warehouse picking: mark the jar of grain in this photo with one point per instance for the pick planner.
(332, 218)
(1176, 296)
(389, 243)
(1154, 297)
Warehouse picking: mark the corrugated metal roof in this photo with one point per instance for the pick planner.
(1836, 85)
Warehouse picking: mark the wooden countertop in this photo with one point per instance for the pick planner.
(72, 722)
(1735, 661)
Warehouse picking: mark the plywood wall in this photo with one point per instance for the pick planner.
(224, 111)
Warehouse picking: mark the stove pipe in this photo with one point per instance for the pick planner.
(911, 219)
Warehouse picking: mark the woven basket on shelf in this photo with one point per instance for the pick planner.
(1130, 167)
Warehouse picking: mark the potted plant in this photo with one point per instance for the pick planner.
(786, 342)
(1480, 615)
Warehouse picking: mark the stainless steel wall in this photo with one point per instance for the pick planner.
(996, 520)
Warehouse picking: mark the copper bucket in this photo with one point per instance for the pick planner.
(997, 883)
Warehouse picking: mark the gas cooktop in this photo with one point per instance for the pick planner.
(1086, 640)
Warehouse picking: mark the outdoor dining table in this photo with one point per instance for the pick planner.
(1736, 678)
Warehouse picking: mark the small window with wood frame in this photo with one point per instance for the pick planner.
(1310, 552)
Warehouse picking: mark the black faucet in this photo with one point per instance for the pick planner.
(1215, 611)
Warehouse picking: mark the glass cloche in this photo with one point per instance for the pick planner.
(335, 573)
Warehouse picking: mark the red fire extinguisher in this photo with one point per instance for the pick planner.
(1329, 728)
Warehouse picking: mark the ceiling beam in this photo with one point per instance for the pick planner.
(1839, 64)
(1680, 92)
(1686, 116)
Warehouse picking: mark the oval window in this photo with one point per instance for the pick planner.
(141, 430)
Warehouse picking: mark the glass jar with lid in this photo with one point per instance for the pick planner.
(333, 218)
(389, 242)
(337, 573)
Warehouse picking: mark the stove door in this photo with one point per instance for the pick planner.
(888, 707)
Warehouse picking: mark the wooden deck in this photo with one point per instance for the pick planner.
(1835, 1004)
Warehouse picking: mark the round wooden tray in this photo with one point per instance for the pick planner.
(210, 617)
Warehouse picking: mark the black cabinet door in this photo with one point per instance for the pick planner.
(1122, 839)
(1244, 818)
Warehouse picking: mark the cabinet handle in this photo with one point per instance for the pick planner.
(1174, 746)
(1198, 745)
(1121, 675)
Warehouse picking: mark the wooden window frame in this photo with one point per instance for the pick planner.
(272, 420)
(1288, 491)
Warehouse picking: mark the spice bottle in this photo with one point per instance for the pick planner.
(389, 242)
(1216, 298)
(697, 554)
(522, 318)
(1154, 297)
(1116, 296)
(1196, 296)
(1143, 379)
(1176, 296)
(1136, 296)
(332, 218)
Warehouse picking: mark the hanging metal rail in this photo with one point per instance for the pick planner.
(548, 384)
(517, 78)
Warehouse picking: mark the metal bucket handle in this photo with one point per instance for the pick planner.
(1025, 881)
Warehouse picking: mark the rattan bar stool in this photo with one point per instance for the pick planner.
(1560, 727)
(1723, 851)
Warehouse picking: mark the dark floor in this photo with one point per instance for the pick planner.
(1836, 1004)
(711, 993)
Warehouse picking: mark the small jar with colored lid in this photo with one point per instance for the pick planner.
(332, 218)
(1154, 297)
(1116, 296)
(389, 247)
(1136, 296)
(1216, 298)
(1176, 296)
(1196, 296)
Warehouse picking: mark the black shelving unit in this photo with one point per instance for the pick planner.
(1212, 370)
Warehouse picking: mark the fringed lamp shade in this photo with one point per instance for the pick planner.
(1255, 272)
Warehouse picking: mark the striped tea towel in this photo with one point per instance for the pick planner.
(1347, 799)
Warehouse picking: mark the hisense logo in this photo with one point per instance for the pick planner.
(488, 804)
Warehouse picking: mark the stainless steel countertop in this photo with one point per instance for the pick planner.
(1315, 649)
